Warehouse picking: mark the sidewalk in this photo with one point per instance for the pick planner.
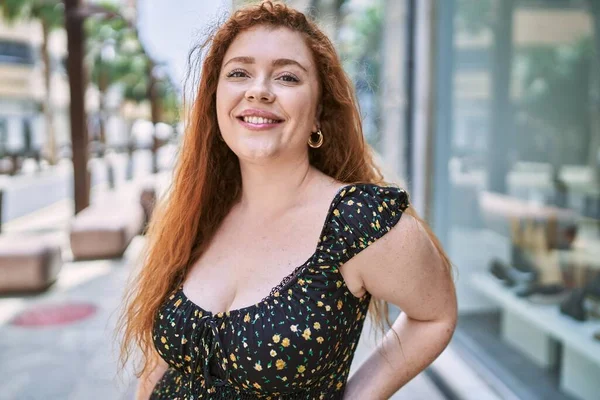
(79, 360)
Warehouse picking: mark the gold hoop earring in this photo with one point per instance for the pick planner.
(318, 143)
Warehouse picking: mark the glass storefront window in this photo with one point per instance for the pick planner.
(523, 225)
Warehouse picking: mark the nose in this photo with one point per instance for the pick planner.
(260, 91)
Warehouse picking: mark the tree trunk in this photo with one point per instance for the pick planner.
(47, 104)
(79, 136)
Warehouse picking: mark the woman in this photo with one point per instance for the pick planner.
(274, 180)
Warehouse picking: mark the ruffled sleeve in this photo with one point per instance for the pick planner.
(363, 214)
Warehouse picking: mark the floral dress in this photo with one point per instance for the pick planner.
(296, 343)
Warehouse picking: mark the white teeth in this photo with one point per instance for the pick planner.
(258, 120)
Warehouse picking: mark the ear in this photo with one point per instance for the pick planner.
(317, 123)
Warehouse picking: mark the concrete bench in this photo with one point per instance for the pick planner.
(147, 201)
(28, 264)
(105, 230)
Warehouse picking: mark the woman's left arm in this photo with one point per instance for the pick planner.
(404, 268)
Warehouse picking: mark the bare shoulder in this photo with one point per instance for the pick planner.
(405, 268)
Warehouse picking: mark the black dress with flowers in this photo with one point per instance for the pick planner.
(299, 341)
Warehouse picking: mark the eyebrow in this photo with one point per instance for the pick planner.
(280, 62)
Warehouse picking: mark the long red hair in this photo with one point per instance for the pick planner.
(207, 180)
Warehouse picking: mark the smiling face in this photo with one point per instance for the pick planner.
(267, 95)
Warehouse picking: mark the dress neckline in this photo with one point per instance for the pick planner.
(286, 282)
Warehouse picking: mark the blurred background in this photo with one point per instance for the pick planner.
(487, 111)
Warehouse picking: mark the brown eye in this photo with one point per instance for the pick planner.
(236, 74)
(289, 78)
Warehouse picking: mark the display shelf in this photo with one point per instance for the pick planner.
(536, 328)
(546, 317)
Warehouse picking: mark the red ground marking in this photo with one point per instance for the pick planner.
(55, 314)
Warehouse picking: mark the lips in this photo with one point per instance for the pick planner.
(259, 120)
(257, 116)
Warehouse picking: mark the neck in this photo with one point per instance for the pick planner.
(274, 187)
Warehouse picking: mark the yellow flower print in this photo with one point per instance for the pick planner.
(319, 303)
(350, 202)
(320, 339)
(306, 334)
(301, 368)
(284, 378)
(187, 358)
(352, 189)
(294, 328)
(280, 364)
(273, 353)
(178, 303)
(339, 304)
(339, 385)
(317, 325)
(301, 281)
(163, 339)
(183, 340)
(327, 308)
(258, 367)
(338, 284)
(256, 385)
(232, 357)
(285, 342)
(336, 212)
(247, 318)
(276, 338)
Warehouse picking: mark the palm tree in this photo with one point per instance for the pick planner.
(50, 14)
(107, 63)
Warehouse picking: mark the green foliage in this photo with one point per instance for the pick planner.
(48, 12)
(474, 16)
(360, 50)
(555, 104)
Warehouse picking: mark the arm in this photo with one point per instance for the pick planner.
(149, 379)
(404, 268)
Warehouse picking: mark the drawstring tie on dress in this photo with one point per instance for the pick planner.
(210, 340)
